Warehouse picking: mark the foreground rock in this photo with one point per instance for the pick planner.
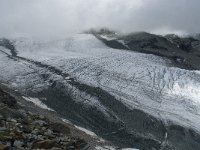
(20, 129)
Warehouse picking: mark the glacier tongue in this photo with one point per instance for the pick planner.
(139, 81)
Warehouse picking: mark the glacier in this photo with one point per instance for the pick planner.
(81, 64)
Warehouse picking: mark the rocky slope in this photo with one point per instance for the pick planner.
(184, 51)
(22, 128)
(131, 99)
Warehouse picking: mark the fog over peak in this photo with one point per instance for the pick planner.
(58, 18)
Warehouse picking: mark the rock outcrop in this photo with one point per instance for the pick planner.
(21, 129)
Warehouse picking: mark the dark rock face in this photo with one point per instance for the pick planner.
(114, 44)
(58, 127)
(185, 44)
(194, 135)
(7, 99)
(171, 46)
(183, 137)
(146, 41)
(8, 44)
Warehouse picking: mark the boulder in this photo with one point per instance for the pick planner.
(4, 147)
(39, 123)
(5, 136)
(47, 144)
(59, 127)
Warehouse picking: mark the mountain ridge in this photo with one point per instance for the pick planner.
(184, 51)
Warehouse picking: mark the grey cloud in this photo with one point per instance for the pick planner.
(57, 18)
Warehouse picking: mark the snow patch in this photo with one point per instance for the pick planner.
(86, 131)
(105, 148)
(37, 102)
(189, 90)
(14, 84)
(108, 38)
(129, 149)
(66, 121)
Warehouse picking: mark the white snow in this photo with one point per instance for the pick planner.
(86, 131)
(37, 102)
(188, 90)
(140, 81)
(105, 148)
(66, 121)
(4, 50)
(99, 139)
(109, 38)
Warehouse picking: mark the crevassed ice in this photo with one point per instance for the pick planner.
(139, 80)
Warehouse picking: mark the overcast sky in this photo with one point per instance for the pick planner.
(55, 18)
